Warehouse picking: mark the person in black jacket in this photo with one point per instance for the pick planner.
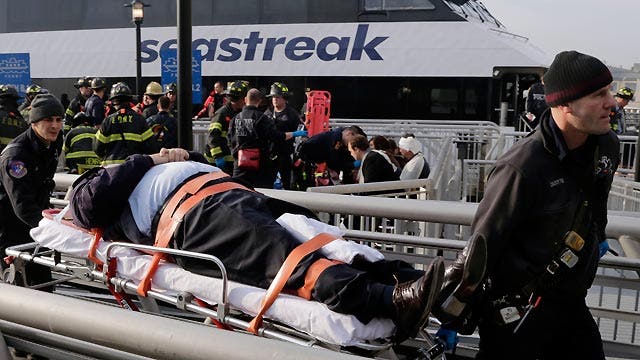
(77, 103)
(78, 145)
(27, 166)
(375, 165)
(124, 132)
(12, 123)
(239, 227)
(163, 125)
(285, 119)
(543, 217)
(252, 129)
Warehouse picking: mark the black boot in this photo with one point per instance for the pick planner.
(413, 300)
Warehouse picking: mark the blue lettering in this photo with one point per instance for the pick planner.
(234, 52)
(369, 48)
(301, 43)
(270, 47)
(341, 54)
(146, 49)
(252, 43)
(210, 44)
(167, 45)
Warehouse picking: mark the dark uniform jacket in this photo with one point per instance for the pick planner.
(122, 134)
(287, 120)
(150, 110)
(531, 201)
(11, 125)
(78, 149)
(217, 144)
(165, 129)
(26, 169)
(376, 168)
(75, 106)
(95, 109)
(322, 148)
(616, 120)
(251, 128)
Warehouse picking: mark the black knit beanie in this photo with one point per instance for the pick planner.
(44, 106)
(573, 75)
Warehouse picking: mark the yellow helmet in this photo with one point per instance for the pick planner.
(625, 93)
(154, 88)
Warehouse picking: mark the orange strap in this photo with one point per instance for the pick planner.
(95, 232)
(313, 272)
(172, 217)
(285, 272)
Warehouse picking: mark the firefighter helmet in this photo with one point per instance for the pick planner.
(34, 89)
(153, 88)
(83, 82)
(120, 91)
(279, 89)
(171, 87)
(98, 83)
(625, 93)
(9, 91)
(237, 89)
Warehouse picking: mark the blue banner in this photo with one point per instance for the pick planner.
(169, 71)
(15, 70)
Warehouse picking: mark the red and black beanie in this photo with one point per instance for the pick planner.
(573, 75)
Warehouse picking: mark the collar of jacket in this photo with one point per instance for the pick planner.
(39, 146)
(551, 136)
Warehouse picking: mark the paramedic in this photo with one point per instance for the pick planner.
(554, 181)
(252, 129)
(27, 166)
(238, 226)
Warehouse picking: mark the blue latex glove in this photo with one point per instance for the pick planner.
(220, 162)
(357, 163)
(448, 337)
(299, 133)
(603, 246)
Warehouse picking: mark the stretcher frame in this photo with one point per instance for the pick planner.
(222, 314)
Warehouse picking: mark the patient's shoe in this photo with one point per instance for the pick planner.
(413, 300)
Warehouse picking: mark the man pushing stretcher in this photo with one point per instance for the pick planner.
(142, 201)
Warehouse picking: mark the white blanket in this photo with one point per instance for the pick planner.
(308, 316)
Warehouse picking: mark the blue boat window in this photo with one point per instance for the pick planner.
(373, 5)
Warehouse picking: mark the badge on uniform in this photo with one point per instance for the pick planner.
(17, 169)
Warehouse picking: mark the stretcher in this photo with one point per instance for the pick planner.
(228, 304)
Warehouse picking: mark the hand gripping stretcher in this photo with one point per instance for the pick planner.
(122, 268)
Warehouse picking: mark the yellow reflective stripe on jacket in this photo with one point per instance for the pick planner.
(215, 125)
(216, 150)
(84, 167)
(109, 162)
(127, 136)
(82, 136)
(5, 140)
(80, 154)
(228, 158)
(70, 112)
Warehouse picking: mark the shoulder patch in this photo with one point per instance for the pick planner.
(17, 169)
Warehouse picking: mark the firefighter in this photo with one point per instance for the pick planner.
(12, 123)
(286, 119)
(31, 92)
(150, 99)
(78, 145)
(171, 91)
(217, 151)
(94, 107)
(77, 104)
(124, 132)
(616, 118)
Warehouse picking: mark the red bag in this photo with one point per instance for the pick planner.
(249, 159)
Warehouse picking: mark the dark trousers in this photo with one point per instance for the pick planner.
(283, 166)
(552, 331)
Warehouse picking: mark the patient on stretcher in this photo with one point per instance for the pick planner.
(137, 201)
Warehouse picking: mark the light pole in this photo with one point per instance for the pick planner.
(137, 16)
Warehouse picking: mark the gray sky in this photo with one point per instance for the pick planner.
(605, 29)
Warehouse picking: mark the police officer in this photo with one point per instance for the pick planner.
(78, 103)
(27, 166)
(124, 132)
(12, 123)
(78, 145)
(543, 218)
(217, 151)
(286, 119)
(94, 107)
(252, 129)
(150, 99)
(617, 116)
